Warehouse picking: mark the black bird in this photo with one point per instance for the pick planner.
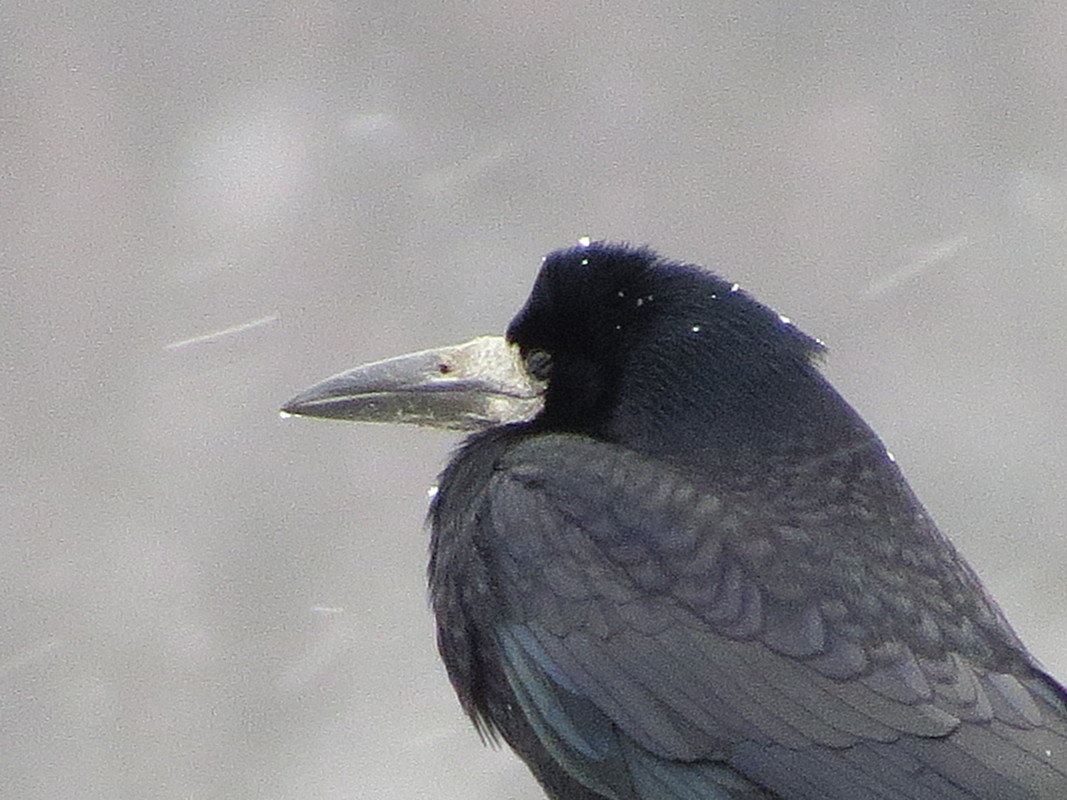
(674, 564)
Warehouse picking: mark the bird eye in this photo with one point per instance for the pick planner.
(538, 363)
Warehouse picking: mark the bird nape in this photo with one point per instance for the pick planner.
(672, 563)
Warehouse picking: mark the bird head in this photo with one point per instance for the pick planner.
(613, 341)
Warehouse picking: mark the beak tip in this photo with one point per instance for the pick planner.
(294, 407)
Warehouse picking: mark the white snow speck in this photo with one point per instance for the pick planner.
(215, 335)
(920, 261)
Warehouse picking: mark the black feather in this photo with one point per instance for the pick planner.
(697, 574)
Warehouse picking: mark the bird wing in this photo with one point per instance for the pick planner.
(635, 633)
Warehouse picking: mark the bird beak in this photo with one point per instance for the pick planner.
(466, 387)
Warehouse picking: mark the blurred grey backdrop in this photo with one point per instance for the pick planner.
(205, 207)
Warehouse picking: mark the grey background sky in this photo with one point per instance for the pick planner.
(198, 600)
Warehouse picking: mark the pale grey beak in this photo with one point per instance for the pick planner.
(466, 387)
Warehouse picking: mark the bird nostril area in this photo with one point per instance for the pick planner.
(444, 368)
(538, 363)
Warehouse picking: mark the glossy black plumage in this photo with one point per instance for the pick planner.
(696, 574)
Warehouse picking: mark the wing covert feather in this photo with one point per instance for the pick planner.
(629, 587)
